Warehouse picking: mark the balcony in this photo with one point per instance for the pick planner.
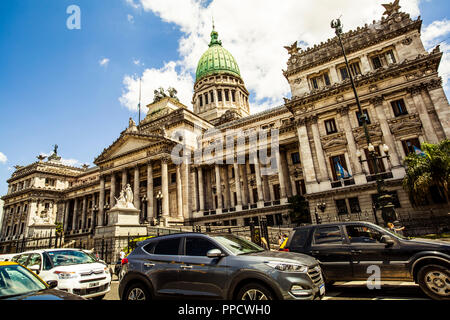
(382, 176)
(342, 183)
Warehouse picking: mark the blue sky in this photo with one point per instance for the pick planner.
(53, 90)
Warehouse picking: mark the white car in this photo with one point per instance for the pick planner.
(7, 257)
(76, 271)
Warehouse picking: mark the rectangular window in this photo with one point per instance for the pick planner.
(173, 178)
(399, 107)
(233, 96)
(365, 114)
(252, 168)
(339, 167)
(355, 69)
(219, 95)
(330, 126)
(201, 101)
(410, 144)
(354, 205)
(380, 163)
(295, 157)
(212, 96)
(206, 98)
(314, 83)
(344, 73)
(328, 235)
(157, 182)
(341, 206)
(390, 57)
(227, 97)
(168, 247)
(276, 191)
(376, 62)
(327, 79)
(320, 81)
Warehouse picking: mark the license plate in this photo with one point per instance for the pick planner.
(322, 289)
(94, 284)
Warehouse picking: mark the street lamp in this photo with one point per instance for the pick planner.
(384, 199)
(159, 197)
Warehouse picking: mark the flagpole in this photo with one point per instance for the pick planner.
(139, 105)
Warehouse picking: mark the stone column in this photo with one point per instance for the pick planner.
(266, 191)
(124, 178)
(150, 198)
(101, 202)
(365, 65)
(430, 134)
(380, 106)
(281, 176)
(136, 199)
(66, 215)
(334, 78)
(179, 193)
(227, 193)
(218, 187)
(245, 193)
(355, 165)
(258, 177)
(237, 182)
(440, 103)
(83, 213)
(194, 190)
(201, 192)
(185, 187)
(285, 166)
(165, 186)
(75, 214)
(319, 151)
(309, 172)
(112, 193)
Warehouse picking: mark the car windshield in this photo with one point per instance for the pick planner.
(68, 257)
(237, 245)
(16, 280)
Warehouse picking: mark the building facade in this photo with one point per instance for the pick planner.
(320, 151)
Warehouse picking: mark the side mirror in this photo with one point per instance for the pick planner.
(35, 269)
(214, 253)
(52, 284)
(387, 240)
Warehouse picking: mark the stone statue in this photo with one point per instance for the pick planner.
(131, 123)
(129, 194)
(55, 149)
(391, 8)
(121, 202)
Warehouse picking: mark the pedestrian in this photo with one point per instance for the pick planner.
(394, 229)
(122, 255)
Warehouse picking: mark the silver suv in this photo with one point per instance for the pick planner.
(217, 266)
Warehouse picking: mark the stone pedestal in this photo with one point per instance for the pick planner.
(121, 222)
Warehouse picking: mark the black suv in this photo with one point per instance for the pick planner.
(219, 266)
(346, 250)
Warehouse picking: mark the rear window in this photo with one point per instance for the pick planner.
(168, 247)
(149, 247)
(328, 235)
(299, 238)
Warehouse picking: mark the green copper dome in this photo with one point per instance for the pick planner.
(216, 60)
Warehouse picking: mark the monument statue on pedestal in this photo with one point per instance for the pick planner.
(125, 200)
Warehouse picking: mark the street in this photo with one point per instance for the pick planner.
(354, 290)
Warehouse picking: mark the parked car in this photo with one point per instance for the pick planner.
(346, 250)
(217, 266)
(76, 271)
(20, 283)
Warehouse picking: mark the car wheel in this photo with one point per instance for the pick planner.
(254, 291)
(434, 280)
(137, 292)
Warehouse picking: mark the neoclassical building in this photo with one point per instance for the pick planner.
(318, 133)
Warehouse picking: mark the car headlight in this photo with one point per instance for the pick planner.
(106, 270)
(287, 267)
(65, 275)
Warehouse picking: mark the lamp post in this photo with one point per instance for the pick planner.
(159, 197)
(321, 205)
(384, 199)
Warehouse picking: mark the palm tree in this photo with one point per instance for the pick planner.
(428, 169)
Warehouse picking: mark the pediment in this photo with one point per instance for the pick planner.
(129, 142)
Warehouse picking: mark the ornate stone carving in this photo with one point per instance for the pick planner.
(391, 8)
(334, 140)
(406, 124)
(125, 200)
(377, 101)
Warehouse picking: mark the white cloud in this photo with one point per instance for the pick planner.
(433, 35)
(255, 32)
(152, 79)
(3, 158)
(133, 4)
(130, 18)
(67, 162)
(137, 62)
(104, 62)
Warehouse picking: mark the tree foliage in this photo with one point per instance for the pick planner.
(299, 209)
(429, 169)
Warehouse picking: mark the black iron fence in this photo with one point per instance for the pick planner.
(21, 244)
